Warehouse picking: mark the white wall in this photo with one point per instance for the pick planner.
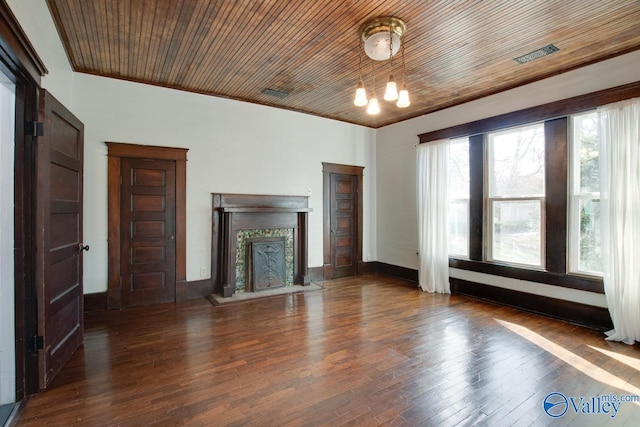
(234, 147)
(396, 172)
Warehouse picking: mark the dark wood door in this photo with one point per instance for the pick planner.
(344, 204)
(148, 229)
(59, 237)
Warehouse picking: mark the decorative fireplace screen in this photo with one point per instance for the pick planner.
(268, 269)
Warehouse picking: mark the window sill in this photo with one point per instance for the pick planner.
(572, 281)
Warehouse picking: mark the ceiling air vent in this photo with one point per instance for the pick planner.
(544, 51)
(276, 93)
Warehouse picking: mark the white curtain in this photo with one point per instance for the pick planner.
(620, 215)
(433, 206)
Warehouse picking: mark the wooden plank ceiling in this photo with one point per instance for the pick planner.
(455, 51)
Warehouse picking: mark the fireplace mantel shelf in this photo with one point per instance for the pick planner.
(263, 210)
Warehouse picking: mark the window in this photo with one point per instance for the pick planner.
(516, 195)
(534, 203)
(458, 169)
(584, 223)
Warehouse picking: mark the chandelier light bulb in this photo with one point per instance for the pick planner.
(374, 107)
(361, 96)
(391, 94)
(403, 98)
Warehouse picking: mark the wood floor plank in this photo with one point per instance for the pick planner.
(368, 350)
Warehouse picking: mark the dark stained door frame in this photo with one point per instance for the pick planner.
(20, 62)
(116, 152)
(328, 251)
(26, 303)
(148, 231)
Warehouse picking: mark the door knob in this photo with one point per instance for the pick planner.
(83, 248)
(171, 237)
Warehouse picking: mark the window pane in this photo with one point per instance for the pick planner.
(590, 255)
(459, 168)
(459, 228)
(585, 250)
(458, 189)
(585, 134)
(516, 231)
(517, 162)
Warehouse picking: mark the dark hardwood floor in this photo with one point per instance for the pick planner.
(369, 350)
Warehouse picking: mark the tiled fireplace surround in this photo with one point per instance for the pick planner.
(241, 217)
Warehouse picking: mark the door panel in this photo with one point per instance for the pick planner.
(343, 219)
(59, 236)
(148, 209)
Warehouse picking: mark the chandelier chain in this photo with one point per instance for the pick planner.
(373, 76)
(402, 58)
(391, 45)
(360, 59)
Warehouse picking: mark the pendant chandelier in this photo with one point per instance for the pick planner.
(381, 40)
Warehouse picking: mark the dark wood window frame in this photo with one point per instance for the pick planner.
(555, 117)
(117, 151)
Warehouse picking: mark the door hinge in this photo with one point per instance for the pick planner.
(120, 179)
(34, 128)
(36, 343)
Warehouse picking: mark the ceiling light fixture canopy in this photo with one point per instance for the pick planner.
(381, 40)
(379, 34)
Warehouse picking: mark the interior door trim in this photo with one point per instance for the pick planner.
(20, 62)
(116, 151)
(327, 170)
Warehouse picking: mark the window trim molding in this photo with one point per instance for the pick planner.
(545, 112)
(555, 209)
(572, 281)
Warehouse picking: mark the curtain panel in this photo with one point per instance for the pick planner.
(620, 215)
(433, 206)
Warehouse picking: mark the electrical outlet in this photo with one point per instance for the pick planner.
(203, 272)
